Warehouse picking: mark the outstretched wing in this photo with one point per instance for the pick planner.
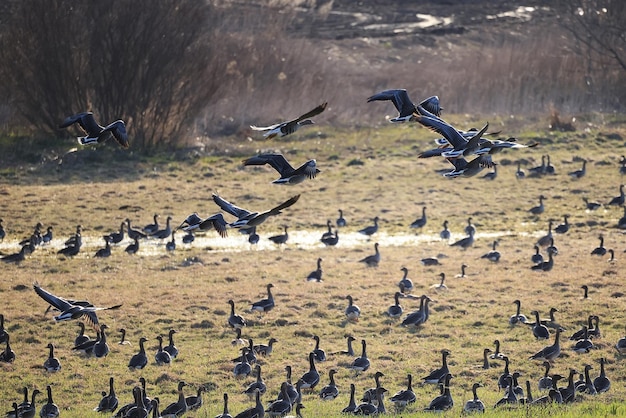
(442, 128)
(277, 161)
(216, 222)
(432, 105)
(319, 109)
(118, 129)
(399, 98)
(86, 122)
(226, 206)
(284, 205)
(58, 302)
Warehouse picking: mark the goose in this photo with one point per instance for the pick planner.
(139, 360)
(486, 365)
(16, 258)
(247, 219)
(353, 312)
(134, 233)
(81, 338)
(568, 393)
(537, 258)
(420, 222)
(405, 284)
(281, 406)
(373, 259)
(599, 250)
(49, 409)
(549, 353)
(589, 386)
(132, 248)
(287, 128)
(362, 363)
(311, 378)
(420, 316)
(510, 397)
(331, 240)
(474, 404)
(163, 233)
(162, 357)
(577, 174)
(430, 261)
(371, 229)
(539, 209)
(106, 251)
(611, 256)
(591, 205)
(462, 275)
(445, 232)
(463, 168)
(518, 317)
(505, 378)
(602, 383)
(622, 161)
(299, 408)
(370, 394)
(264, 305)
(242, 369)
(86, 348)
(519, 173)
(330, 391)
(136, 409)
(552, 323)
(552, 248)
(545, 265)
(540, 331)
(519, 392)
(281, 238)
(621, 224)
(47, 237)
(171, 245)
(492, 255)
(585, 291)
(404, 105)
(316, 275)
(497, 354)
(564, 227)
(329, 231)
(234, 320)
(225, 413)
(441, 285)
(395, 310)
(117, 237)
(3, 332)
(352, 404)
(350, 350)
(466, 242)
(18, 408)
(585, 329)
(71, 309)
(292, 392)
(341, 221)
(101, 348)
(109, 402)
(549, 167)
(123, 340)
(320, 355)
(171, 347)
(540, 169)
(404, 397)
(263, 349)
(492, 174)
(438, 375)
(179, 407)
(153, 227)
(583, 345)
(619, 200)
(52, 364)
(72, 249)
(95, 132)
(188, 238)
(25, 409)
(444, 401)
(256, 386)
(288, 174)
(545, 383)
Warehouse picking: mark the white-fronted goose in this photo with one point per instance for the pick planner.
(504, 380)
(540, 331)
(49, 409)
(320, 355)
(445, 232)
(179, 407)
(330, 391)
(420, 222)
(352, 404)
(117, 237)
(235, 320)
(438, 375)
(288, 174)
(265, 349)
(545, 383)
(109, 402)
(540, 169)
(444, 401)
(106, 251)
(139, 360)
(165, 232)
(52, 364)
(171, 245)
(441, 285)
(550, 352)
(420, 316)
(537, 258)
(462, 275)
(518, 317)
(193, 222)
(101, 348)
(602, 383)
(71, 309)
(577, 174)
(311, 378)
(353, 312)
(591, 205)
(405, 284)
(404, 105)
(242, 369)
(132, 248)
(8, 355)
(540, 208)
(136, 409)
(362, 363)
(493, 255)
(153, 227)
(95, 132)
(25, 409)
(281, 406)
(619, 200)
(171, 347)
(371, 229)
(510, 397)
(162, 357)
(316, 275)
(287, 128)
(404, 397)
(350, 350)
(474, 404)
(589, 387)
(265, 305)
(341, 221)
(584, 329)
(225, 413)
(373, 259)
(81, 338)
(549, 167)
(292, 392)
(280, 238)
(466, 242)
(395, 310)
(600, 249)
(134, 233)
(247, 219)
(329, 230)
(568, 393)
(256, 386)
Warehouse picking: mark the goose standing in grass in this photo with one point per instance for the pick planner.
(466, 242)
(370, 394)
(420, 316)
(180, 406)
(86, 348)
(165, 232)
(331, 240)
(49, 409)
(493, 255)
(264, 305)
(8, 355)
(444, 401)
(551, 352)
(540, 169)
(540, 331)
(281, 238)
(350, 350)
(591, 205)
(265, 349)
(311, 378)
(438, 375)
(153, 227)
(564, 227)
(287, 128)
(362, 363)
(519, 173)
(320, 355)
(242, 369)
(316, 275)
(171, 347)
(583, 345)
(585, 329)
(470, 228)
(101, 348)
(372, 260)
(134, 233)
(109, 402)
(602, 383)
(353, 312)
(133, 247)
(445, 232)
(123, 340)
(619, 200)
(171, 245)
(404, 397)
(474, 404)
(138, 408)
(52, 364)
(537, 258)
(510, 397)
(540, 208)
(441, 285)
(16, 258)
(329, 231)
(462, 275)
(545, 265)
(95, 132)
(225, 413)
(545, 383)
(47, 237)
(486, 365)
(549, 167)
(25, 409)
(588, 386)
(256, 386)
(288, 174)
(405, 284)
(235, 320)
(395, 310)
(371, 229)
(117, 237)
(352, 403)
(247, 219)
(577, 174)
(281, 406)
(600, 249)
(341, 221)
(139, 360)
(330, 391)
(404, 105)
(106, 251)
(420, 222)
(162, 357)
(518, 317)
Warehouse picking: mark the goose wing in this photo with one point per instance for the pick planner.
(226, 206)
(277, 161)
(319, 109)
(118, 129)
(58, 302)
(86, 122)
(399, 98)
(431, 105)
(284, 205)
(442, 128)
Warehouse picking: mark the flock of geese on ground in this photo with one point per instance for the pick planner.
(456, 147)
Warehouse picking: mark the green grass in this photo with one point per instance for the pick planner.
(160, 292)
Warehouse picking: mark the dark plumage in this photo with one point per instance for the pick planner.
(95, 132)
(286, 128)
(288, 174)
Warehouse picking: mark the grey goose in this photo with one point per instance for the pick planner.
(288, 174)
(371, 229)
(139, 360)
(49, 409)
(444, 401)
(247, 219)
(52, 364)
(162, 357)
(474, 404)
(286, 128)
(372, 260)
(330, 391)
(404, 397)
(267, 304)
(180, 406)
(109, 401)
(404, 105)
(95, 132)
(171, 347)
(195, 222)
(316, 275)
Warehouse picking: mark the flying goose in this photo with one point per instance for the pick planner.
(95, 132)
(362, 363)
(247, 219)
(420, 222)
(256, 386)
(404, 397)
(139, 360)
(577, 174)
(234, 320)
(600, 249)
(286, 128)
(109, 402)
(352, 311)
(72, 309)
(281, 238)
(330, 391)
(474, 404)
(444, 401)
(405, 284)
(619, 200)
(371, 229)
(180, 406)
(602, 383)
(288, 174)
(373, 259)
(341, 221)
(194, 221)
(518, 317)
(438, 375)
(52, 364)
(320, 355)
(316, 275)
(171, 347)
(265, 305)
(549, 353)
(50, 409)
(311, 378)
(464, 168)
(404, 105)
(162, 357)
(395, 310)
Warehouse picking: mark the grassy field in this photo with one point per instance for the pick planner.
(367, 173)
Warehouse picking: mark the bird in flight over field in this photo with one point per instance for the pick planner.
(289, 127)
(95, 132)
